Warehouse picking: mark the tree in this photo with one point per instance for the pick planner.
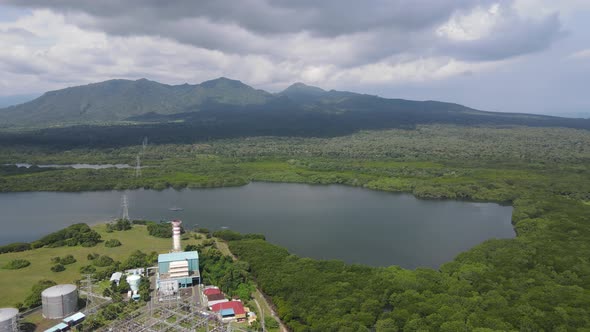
(34, 297)
(58, 268)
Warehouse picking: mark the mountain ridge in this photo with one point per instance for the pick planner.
(224, 101)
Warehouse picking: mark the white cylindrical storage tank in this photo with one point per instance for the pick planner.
(133, 281)
(59, 301)
(8, 320)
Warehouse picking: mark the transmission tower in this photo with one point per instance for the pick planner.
(125, 205)
(138, 167)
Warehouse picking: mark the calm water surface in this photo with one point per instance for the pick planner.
(326, 222)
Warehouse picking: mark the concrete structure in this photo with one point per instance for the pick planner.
(116, 277)
(176, 235)
(59, 301)
(133, 281)
(8, 320)
(180, 266)
(168, 287)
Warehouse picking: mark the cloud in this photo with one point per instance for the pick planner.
(583, 54)
(266, 43)
(361, 31)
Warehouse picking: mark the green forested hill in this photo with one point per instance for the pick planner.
(229, 108)
(117, 100)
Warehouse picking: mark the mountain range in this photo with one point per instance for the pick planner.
(229, 108)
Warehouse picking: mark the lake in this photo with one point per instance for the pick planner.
(355, 225)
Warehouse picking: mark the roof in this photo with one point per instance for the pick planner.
(59, 290)
(227, 312)
(211, 291)
(58, 327)
(62, 326)
(7, 313)
(179, 264)
(177, 256)
(215, 297)
(237, 306)
(75, 317)
(116, 276)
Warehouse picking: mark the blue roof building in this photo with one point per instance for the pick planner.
(180, 266)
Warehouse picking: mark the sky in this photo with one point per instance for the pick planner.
(529, 56)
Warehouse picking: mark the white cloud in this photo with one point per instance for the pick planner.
(473, 25)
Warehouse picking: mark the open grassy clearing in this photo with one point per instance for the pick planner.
(16, 284)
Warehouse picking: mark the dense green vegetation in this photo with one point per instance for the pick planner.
(16, 264)
(119, 225)
(538, 281)
(34, 298)
(77, 234)
(162, 230)
(15, 247)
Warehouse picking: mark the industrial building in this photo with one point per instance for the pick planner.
(178, 269)
(230, 310)
(59, 301)
(116, 277)
(182, 267)
(8, 320)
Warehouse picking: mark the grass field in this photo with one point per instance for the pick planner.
(16, 284)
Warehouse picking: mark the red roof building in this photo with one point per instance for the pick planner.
(211, 291)
(237, 306)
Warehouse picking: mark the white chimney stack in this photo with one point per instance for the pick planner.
(176, 235)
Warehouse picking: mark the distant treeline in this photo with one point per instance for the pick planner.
(233, 122)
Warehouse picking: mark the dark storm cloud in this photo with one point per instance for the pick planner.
(387, 27)
(324, 18)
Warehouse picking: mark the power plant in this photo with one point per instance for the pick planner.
(178, 269)
(59, 301)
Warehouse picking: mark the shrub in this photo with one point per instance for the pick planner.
(160, 230)
(112, 243)
(55, 260)
(58, 268)
(16, 264)
(87, 269)
(228, 235)
(67, 260)
(203, 231)
(103, 261)
(119, 225)
(92, 256)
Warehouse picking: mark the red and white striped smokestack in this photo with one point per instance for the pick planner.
(176, 235)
